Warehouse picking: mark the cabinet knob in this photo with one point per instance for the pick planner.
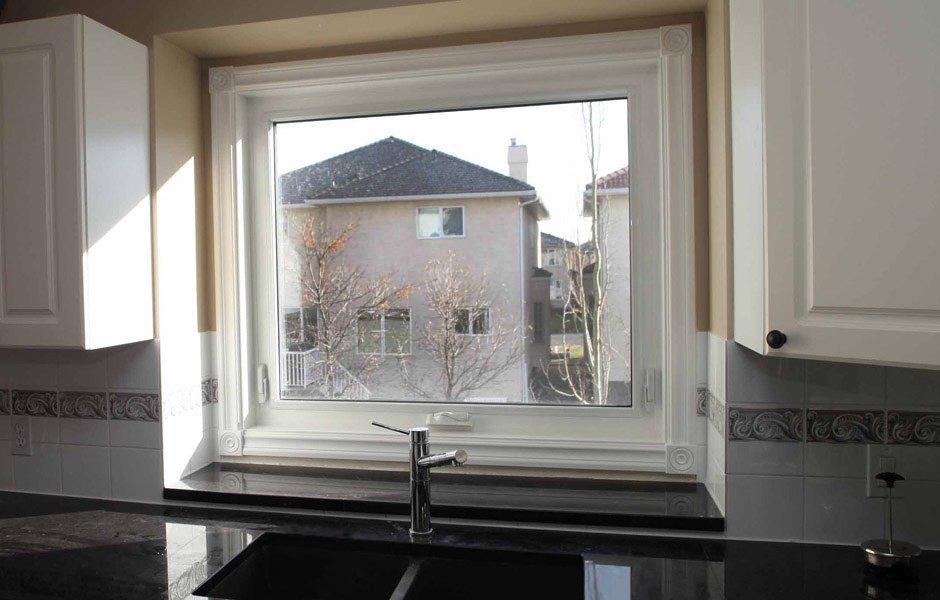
(776, 339)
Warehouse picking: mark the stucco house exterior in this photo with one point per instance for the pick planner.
(410, 206)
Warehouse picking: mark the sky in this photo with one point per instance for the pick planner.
(555, 136)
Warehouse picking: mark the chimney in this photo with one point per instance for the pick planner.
(518, 160)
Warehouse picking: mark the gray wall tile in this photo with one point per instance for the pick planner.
(837, 384)
(136, 474)
(764, 507)
(756, 379)
(40, 472)
(765, 458)
(86, 471)
(838, 511)
(913, 388)
(836, 460)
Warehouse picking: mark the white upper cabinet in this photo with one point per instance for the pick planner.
(836, 178)
(75, 239)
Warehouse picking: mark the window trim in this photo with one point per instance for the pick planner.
(525, 72)
(440, 214)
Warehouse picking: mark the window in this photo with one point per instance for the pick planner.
(472, 321)
(552, 258)
(538, 324)
(437, 222)
(328, 194)
(386, 333)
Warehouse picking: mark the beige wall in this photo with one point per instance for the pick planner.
(719, 169)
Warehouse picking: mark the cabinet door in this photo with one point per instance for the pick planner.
(40, 185)
(851, 100)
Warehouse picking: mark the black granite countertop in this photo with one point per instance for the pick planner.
(612, 503)
(54, 547)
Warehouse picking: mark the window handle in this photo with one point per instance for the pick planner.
(390, 428)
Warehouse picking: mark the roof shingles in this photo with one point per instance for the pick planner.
(392, 167)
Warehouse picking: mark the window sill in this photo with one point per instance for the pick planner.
(644, 504)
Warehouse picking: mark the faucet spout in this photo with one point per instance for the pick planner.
(444, 459)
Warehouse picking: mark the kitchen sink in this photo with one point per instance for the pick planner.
(288, 566)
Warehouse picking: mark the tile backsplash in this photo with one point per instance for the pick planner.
(802, 437)
(93, 418)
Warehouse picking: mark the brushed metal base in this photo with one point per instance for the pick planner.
(885, 554)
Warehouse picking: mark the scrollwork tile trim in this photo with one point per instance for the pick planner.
(845, 426)
(917, 428)
(134, 407)
(765, 424)
(701, 401)
(35, 403)
(5, 408)
(83, 405)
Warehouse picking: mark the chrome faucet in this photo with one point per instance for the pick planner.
(421, 464)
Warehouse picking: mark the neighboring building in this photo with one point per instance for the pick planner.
(556, 259)
(613, 195)
(413, 205)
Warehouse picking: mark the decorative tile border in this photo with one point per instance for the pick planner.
(5, 408)
(701, 401)
(83, 405)
(210, 391)
(765, 424)
(35, 403)
(913, 427)
(845, 426)
(715, 411)
(134, 406)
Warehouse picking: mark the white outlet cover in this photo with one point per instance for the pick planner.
(22, 438)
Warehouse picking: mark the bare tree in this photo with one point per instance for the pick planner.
(467, 340)
(340, 291)
(586, 314)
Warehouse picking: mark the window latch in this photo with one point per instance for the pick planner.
(261, 383)
(651, 387)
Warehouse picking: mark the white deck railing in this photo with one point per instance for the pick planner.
(306, 368)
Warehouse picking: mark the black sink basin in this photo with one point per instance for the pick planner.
(287, 566)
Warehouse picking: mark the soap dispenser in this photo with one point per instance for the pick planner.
(889, 553)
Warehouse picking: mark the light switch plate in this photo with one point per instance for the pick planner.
(22, 442)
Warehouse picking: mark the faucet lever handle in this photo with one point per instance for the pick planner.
(390, 428)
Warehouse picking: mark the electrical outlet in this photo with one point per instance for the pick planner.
(22, 442)
(881, 458)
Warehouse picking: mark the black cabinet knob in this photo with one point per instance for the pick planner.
(776, 339)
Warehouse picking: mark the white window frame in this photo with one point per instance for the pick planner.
(651, 67)
(382, 352)
(440, 215)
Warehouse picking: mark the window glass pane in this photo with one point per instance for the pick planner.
(481, 318)
(292, 329)
(370, 333)
(385, 298)
(398, 332)
(462, 320)
(453, 221)
(429, 222)
(310, 326)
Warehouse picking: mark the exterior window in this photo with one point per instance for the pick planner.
(437, 222)
(336, 205)
(472, 321)
(386, 333)
(538, 328)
